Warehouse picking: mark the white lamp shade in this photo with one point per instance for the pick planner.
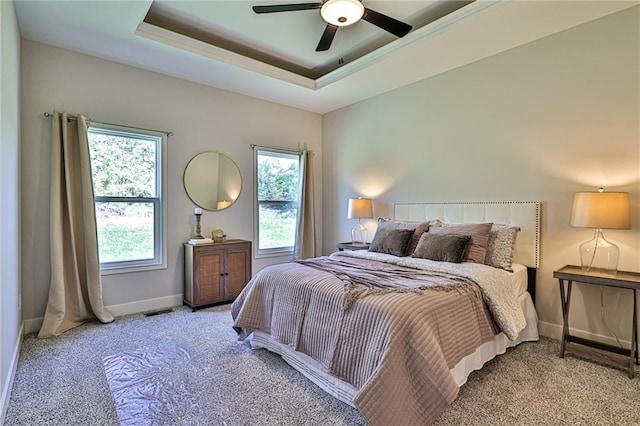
(342, 12)
(360, 208)
(604, 210)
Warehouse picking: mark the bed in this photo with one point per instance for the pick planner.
(396, 331)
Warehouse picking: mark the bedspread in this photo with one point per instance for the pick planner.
(396, 349)
(507, 310)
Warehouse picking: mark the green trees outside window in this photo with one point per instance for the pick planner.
(278, 200)
(126, 173)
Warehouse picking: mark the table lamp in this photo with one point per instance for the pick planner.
(359, 208)
(600, 210)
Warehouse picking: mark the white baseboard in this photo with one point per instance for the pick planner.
(33, 325)
(554, 331)
(8, 385)
(145, 305)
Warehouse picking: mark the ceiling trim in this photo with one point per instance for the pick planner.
(192, 45)
(189, 44)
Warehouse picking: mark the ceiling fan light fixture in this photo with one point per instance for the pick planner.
(342, 12)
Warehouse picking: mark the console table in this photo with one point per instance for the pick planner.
(623, 279)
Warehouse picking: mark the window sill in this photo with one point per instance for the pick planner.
(131, 269)
(274, 253)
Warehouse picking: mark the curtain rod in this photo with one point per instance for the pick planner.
(73, 117)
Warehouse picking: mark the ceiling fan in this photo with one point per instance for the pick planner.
(340, 13)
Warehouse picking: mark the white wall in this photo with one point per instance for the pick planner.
(10, 314)
(201, 117)
(538, 122)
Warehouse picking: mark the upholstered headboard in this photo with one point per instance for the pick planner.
(525, 214)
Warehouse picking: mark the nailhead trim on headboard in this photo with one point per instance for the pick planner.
(525, 214)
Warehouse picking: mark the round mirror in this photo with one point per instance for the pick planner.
(212, 180)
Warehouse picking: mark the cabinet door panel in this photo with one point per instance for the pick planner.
(209, 267)
(237, 273)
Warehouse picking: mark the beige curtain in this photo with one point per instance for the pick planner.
(306, 238)
(75, 292)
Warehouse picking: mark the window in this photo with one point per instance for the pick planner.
(278, 200)
(127, 169)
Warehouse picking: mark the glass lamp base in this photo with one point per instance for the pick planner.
(599, 255)
(359, 235)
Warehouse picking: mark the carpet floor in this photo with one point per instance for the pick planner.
(211, 379)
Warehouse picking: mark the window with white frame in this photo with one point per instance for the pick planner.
(278, 175)
(128, 169)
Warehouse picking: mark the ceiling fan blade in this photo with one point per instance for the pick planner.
(327, 38)
(387, 23)
(286, 7)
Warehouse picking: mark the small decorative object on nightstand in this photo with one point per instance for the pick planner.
(198, 213)
(351, 246)
(218, 236)
(628, 280)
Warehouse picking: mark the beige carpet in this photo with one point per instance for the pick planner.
(62, 381)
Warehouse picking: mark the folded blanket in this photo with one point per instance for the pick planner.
(377, 278)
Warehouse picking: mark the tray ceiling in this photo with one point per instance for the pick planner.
(224, 44)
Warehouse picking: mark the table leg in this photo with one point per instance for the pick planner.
(564, 300)
(634, 336)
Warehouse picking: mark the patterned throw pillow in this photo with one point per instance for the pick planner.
(501, 245)
(391, 241)
(477, 248)
(442, 248)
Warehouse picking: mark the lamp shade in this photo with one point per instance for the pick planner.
(360, 208)
(342, 12)
(604, 210)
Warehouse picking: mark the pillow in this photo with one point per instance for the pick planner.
(443, 248)
(391, 241)
(501, 245)
(477, 248)
(418, 229)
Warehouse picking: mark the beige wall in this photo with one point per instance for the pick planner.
(10, 314)
(202, 118)
(535, 123)
(538, 122)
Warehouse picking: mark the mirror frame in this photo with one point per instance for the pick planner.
(195, 193)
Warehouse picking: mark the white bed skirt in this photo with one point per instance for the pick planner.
(345, 392)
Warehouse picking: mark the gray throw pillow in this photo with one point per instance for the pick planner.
(418, 229)
(477, 248)
(391, 241)
(442, 248)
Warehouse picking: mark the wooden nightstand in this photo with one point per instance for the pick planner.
(628, 280)
(216, 272)
(351, 246)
